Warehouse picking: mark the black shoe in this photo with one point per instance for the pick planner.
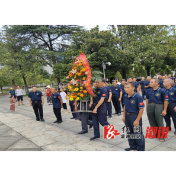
(94, 138)
(169, 129)
(82, 132)
(55, 121)
(60, 121)
(110, 117)
(37, 119)
(72, 118)
(175, 132)
(42, 120)
(115, 113)
(119, 114)
(129, 149)
(90, 126)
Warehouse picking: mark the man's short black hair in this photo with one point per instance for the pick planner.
(34, 86)
(134, 77)
(123, 79)
(130, 83)
(114, 81)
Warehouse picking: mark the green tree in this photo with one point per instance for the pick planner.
(153, 72)
(47, 39)
(5, 78)
(98, 46)
(118, 76)
(130, 74)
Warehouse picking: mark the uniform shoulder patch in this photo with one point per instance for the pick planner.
(166, 96)
(58, 96)
(104, 94)
(141, 104)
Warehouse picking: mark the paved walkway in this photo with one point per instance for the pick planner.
(20, 131)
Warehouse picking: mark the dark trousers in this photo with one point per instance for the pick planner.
(116, 103)
(57, 112)
(38, 109)
(170, 112)
(65, 105)
(122, 101)
(143, 93)
(84, 117)
(72, 107)
(138, 144)
(99, 117)
(109, 109)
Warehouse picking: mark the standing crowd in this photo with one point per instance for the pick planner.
(159, 93)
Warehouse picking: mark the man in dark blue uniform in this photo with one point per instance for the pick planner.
(173, 78)
(171, 109)
(36, 100)
(156, 105)
(132, 117)
(116, 97)
(123, 91)
(108, 100)
(137, 85)
(99, 108)
(161, 81)
(147, 84)
(57, 105)
(143, 90)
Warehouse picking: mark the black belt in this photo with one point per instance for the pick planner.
(154, 103)
(36, 101)
(172, 102)
(131, 113)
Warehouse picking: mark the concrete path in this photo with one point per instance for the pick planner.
(20, 131)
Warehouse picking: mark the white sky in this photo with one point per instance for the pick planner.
(102, 27)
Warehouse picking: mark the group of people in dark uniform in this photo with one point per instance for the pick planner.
(160, 95)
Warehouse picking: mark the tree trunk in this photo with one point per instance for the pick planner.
(25, 85)
(13, 83)
(123, 73)
(148, 70)
(1, 90)
(58, 80)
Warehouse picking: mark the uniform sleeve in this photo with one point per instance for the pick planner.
(140, 102)
(104, 93)
(110, 89)
(164, 95)
(29, 95)
(174, 91)
(124, 100)
(59, 96)
(41, 94)
(147, 95)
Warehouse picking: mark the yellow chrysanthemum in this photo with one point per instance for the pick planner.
(77, 98)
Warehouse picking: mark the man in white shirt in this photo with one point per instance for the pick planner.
(63, 95)
(19, 94)
(118, 83)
